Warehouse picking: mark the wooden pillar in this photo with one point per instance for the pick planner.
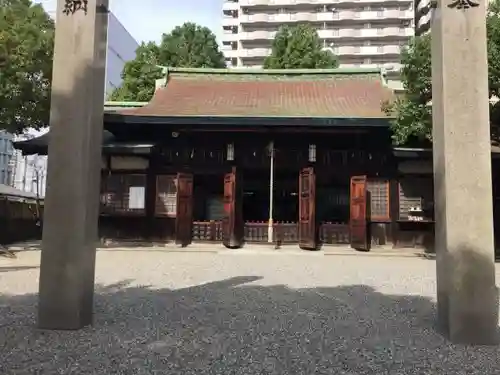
(394, 210)
(308, 234)
(232, 223)
(66, 287)
(150, 200)
(184, 217)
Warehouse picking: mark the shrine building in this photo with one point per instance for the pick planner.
(270, 156)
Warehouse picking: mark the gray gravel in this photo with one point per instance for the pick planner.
(173, 313)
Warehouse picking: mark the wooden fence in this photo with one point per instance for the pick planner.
(19, 220)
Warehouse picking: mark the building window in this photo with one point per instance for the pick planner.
(166, 196)
(123, 194)
(379, 200)
(416, 198)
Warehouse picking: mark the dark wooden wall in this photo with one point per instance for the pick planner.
(338, 156)
(18, 221)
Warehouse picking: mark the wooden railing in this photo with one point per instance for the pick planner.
(284, 232)
(334, 233)
(209, 231)
(256, 231)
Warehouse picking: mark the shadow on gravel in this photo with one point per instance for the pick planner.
(15, 268)
(236, 326)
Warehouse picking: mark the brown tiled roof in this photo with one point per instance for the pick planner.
(287, 93)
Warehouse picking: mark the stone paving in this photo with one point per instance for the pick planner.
(239, 313)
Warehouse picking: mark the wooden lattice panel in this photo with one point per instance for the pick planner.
(379, 199)
(116, 197)
(166, 196)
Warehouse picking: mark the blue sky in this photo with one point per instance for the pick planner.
(148, 19)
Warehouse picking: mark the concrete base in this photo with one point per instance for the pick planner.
(66, 287)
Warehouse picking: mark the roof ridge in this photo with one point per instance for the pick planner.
(339, 71)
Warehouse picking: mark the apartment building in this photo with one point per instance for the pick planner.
(367, 33)
(6, 152)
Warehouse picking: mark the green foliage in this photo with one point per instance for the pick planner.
(412, 112)
(299, 47)
(187, 46)
(139, 75)
(26, 49)
(493, 35)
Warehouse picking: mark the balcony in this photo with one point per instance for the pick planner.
(230, 5)
(288, 3)
(230, 37)
(249, 3)
(229, 21)
(367, 50)
(230, 53)
(395, 32)
(257, 35)
(343, 15)
(255, 52)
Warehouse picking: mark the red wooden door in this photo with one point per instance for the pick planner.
(184, 218)
(307, 209)
(358, 223)
(232, 223)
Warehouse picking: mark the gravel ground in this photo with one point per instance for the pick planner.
(174, 313)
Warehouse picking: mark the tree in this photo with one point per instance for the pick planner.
(187, 46)
(299, 47)
(412, 117)
(412, 112)
(26, 50)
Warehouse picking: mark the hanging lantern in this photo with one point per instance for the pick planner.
(312, 153)
(230, 152)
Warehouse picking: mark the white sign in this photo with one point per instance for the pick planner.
(136, 197)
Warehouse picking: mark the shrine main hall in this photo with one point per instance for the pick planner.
(270, 156)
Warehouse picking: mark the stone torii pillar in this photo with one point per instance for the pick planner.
(66, 288)
(466, 291)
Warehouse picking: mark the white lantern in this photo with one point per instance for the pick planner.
(230, 152)
(312, 153)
